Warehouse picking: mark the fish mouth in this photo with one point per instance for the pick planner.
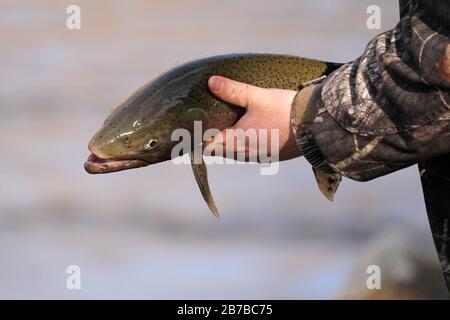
(96, 165)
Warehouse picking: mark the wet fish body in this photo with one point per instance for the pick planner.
(138, 131)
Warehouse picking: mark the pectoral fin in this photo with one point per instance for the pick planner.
(194, 114)
(201, 176)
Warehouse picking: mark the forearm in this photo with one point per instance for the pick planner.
(385, 111)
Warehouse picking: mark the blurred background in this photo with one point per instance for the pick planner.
(147, 233)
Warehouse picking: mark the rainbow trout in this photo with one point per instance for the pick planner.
(138, 131)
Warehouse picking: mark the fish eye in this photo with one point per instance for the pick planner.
(150, 144)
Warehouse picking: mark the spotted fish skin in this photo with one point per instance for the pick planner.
(262, 70)
(138, 131)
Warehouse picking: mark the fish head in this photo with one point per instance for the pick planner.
(137, 133)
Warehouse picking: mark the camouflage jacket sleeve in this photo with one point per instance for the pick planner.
(385, 111)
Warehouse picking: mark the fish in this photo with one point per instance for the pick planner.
(138, 131)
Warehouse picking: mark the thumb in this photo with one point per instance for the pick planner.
(235, 92)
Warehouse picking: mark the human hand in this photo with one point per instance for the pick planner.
(266, 109)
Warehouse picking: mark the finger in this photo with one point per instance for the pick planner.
(215, 146)
(231, 144)
(235, 92)
(221, 144)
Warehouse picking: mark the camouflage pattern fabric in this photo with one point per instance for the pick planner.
(388, 109)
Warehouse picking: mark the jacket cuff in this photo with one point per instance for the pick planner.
(305, 106)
